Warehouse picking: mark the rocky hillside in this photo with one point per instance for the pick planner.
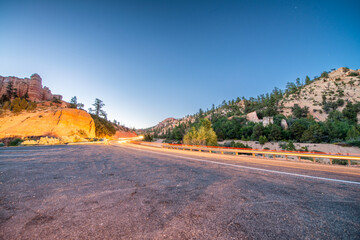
(331, 91)
(123, 132)
(341, 84)
(29, 110)
(51, 122)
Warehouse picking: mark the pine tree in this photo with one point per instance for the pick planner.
(98, 111)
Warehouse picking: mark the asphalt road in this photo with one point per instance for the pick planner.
(121, 192)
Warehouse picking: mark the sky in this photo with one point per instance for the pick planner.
(149, 60)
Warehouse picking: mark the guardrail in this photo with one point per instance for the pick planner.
(299, 155)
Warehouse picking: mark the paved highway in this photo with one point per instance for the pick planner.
(137, 192)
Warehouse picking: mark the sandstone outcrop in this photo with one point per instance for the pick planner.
(56, 123)
(124, 134)
(253, 117)
(32, 86)
(342, 83)
(284, 124)
(266, 121)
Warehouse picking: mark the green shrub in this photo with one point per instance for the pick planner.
(203, 134)
(353, 74)
(354, 142)
(239, 145)
(262, 140)
(15, 142)
(339, 161)
(56, 100)
(288, 146)
(148, 138)
(324, 75)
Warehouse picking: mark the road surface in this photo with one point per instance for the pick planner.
(135, 192)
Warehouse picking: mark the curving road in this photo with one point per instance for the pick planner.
(138, 192)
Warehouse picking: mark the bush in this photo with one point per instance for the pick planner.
(258, 131)
(203, 134)
(148, 138)
(234, 144)
(354, 142)
(288, 146)
(262, 140)
(324, 75)
(275, 133)
(339, 161)
(353, 74)
(297, 129)
(15, 142)
(56, 100)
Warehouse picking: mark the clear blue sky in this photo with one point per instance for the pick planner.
(148, 60)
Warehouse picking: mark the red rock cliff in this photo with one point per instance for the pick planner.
(32, 86)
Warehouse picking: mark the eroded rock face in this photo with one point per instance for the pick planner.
(267, 121)
(56, 123)
(252, 117)
(284, 124)
(32, 86)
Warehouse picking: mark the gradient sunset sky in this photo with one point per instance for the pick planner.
(149, 60)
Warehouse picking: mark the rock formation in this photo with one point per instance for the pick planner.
(32, 86)
(252, 117)
(342, 83)
(284, 124)
(56, 123)
(266, 121)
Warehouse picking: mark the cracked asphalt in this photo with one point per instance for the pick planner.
(121, 192)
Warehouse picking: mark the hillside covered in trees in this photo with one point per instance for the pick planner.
(324, 109)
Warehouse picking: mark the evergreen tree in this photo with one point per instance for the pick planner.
(73, 102)
(299, 112)
(296, 130)
(98, 111)
(275, 133)
(258, 131)
(11, 91)
(313, 134)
